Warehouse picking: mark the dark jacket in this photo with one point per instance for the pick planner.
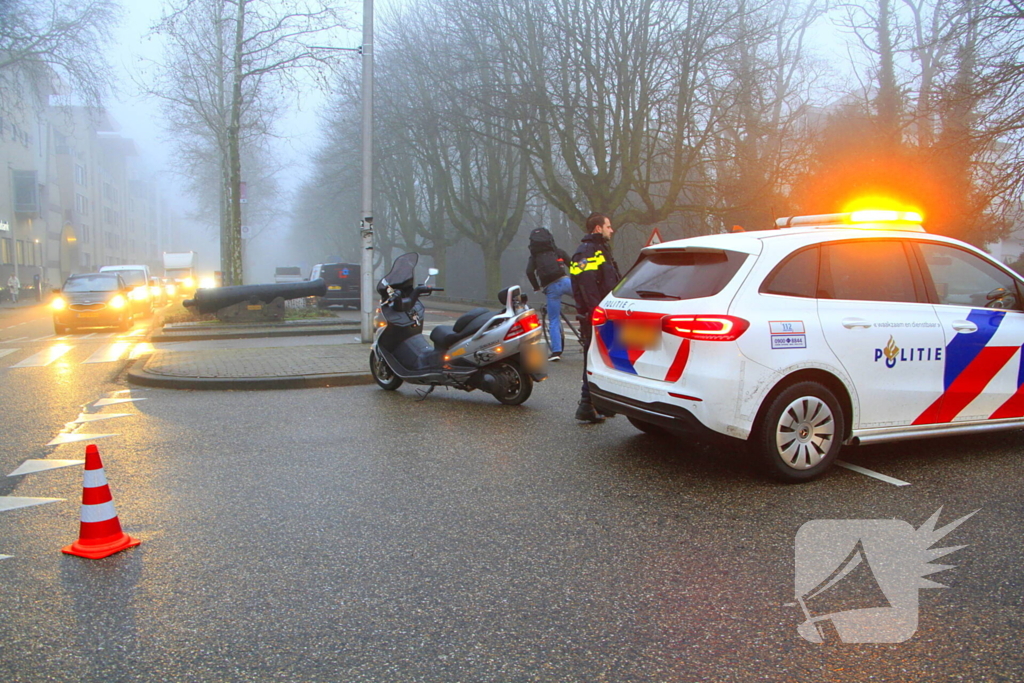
(541, 277)
(594, 272)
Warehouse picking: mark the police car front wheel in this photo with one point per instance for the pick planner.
(800, 432)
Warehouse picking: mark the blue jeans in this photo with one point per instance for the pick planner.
(555, 291)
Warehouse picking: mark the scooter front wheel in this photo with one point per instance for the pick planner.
(517, 385)
(382, 374)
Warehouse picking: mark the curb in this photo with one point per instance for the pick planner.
(146, 379)
(255, 334)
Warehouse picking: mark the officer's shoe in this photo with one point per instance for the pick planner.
(585, 413)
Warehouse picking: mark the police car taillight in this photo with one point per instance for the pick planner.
(705, 327)
(598, 316)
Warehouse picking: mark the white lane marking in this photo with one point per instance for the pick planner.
(5, 352)
(14, 502)
(6, 557)
(871, 473)
(114, 401)
(72, 438)
(33, 466)
(89, 336)
(83, 418)
(11, 341)
(44, 357)
(46, 338)
(109, 353)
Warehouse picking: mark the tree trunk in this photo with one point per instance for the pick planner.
(234, 156)
(492, 268)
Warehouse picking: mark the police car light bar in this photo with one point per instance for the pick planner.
(869, 219)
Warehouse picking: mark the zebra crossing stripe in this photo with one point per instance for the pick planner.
(44, 357)
(4, 352)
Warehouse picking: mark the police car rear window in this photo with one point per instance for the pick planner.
(676, 275)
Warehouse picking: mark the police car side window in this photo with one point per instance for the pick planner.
(964, 279)
(867, 270)
(797, 275)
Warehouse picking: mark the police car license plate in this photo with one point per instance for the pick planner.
(638, 335)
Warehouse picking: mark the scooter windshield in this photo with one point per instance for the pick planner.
(403, 270)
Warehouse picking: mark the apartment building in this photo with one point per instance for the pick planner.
(75, 195)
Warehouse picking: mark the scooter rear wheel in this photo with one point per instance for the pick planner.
(382, 374)
(518, 385)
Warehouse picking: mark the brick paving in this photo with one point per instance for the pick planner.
(305, 361)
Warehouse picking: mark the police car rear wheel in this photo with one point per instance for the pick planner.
(800, 433)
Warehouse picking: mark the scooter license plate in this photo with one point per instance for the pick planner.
(638, 335)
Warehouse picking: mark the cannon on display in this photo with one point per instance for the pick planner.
(248, 303)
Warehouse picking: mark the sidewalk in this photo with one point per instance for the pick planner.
(289, 355)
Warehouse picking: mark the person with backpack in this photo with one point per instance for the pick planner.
(546, 271)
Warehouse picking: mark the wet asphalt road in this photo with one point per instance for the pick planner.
(352, 534)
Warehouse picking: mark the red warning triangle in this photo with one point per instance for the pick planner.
(654, 239)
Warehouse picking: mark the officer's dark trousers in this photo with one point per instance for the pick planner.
(586, 334)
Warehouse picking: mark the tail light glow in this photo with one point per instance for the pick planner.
(598, 317)
(527, 322)
(705, 327)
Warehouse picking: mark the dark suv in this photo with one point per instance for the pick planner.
(342, 281)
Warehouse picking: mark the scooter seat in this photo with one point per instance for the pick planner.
(443, 336)
(468, 317)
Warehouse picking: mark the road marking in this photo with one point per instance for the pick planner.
(109, 353)
(33, 466)
(4, 352)
(83, 418)
(6, 557)
(871, 473)
(44, 357)
(114, 401)
(46, 338)
(72, 438)
(8, 341)
(87, 336)
(14, 502)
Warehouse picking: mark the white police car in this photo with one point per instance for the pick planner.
(829, 330)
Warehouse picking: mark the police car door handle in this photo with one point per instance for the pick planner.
(853, 323)
(965, 326)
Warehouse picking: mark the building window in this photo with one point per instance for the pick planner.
(84, 230)
(81, 205)
(5, 250)
(20, 246)
(80, 176)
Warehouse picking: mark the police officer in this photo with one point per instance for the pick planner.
(594, 274)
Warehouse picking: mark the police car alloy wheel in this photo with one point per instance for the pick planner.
(800, 433)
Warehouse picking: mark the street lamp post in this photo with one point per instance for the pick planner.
(366, 228)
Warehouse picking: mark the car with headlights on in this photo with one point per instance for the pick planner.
(137, 278)
(92, 300)
(829, 330)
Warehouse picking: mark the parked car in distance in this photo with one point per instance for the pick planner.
(92, 300)
(342, 281)
(137, 278)
(830, 330)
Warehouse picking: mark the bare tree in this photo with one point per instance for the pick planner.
(54, 46)
(243, 57)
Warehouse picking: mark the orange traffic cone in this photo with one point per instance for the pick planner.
(101, 533)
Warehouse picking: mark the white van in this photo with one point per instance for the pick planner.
(136, 277)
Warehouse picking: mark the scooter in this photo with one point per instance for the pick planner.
(494, 351)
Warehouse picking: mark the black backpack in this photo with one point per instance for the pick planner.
(547, 264)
